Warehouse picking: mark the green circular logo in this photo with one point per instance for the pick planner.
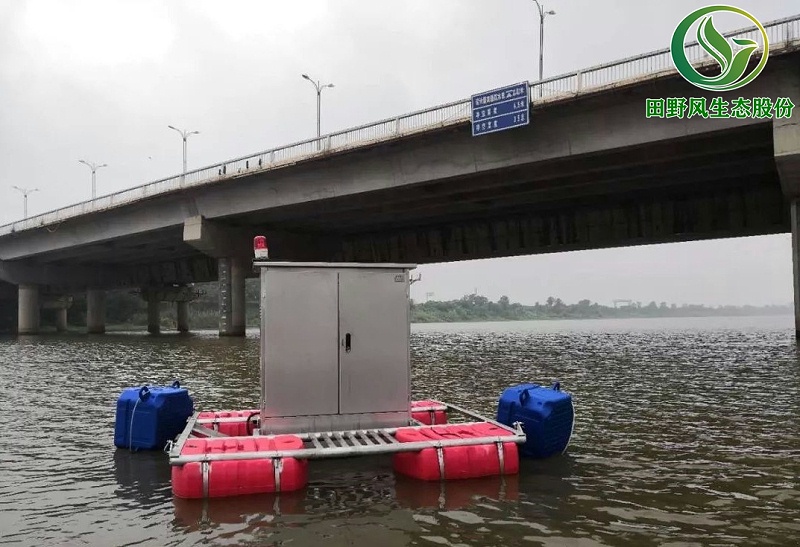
(733, 56)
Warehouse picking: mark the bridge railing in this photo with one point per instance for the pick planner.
(784, 31)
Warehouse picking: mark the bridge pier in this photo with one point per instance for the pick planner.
(795, 219)
(61, 319)
(182, 309)
(96, 311)
(786, 139)
(153, 316)
(232, 316)
(154, 295)
(227, 244)
(28, 310)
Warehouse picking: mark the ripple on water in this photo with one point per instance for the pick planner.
(687, 434)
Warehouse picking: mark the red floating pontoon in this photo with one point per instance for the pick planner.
(221, 422)
(429, 412)
(457, 462)
(237, 477)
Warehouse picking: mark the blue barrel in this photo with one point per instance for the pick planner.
(546, 414)
(149, 416)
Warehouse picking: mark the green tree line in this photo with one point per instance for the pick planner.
(474, 307)
(127, 310)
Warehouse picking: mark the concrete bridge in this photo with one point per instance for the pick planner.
(590, 171)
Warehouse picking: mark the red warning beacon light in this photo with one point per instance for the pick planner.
(260, 249)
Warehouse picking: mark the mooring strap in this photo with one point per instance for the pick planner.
(205, 468)
(440, 456)
(501, 457)
(277, 465)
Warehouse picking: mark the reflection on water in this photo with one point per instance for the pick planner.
(143, 477)
(686, 434)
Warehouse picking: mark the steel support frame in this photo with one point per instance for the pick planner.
(334, 444)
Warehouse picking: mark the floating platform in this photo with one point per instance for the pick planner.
(336, 383)
(212, 458)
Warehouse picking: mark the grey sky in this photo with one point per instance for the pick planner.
(101, 80)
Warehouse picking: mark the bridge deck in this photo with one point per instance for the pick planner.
(784, 35)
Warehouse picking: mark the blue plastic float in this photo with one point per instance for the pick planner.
(149, 416)
(547, 416)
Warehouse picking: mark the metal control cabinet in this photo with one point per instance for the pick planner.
(334, 346)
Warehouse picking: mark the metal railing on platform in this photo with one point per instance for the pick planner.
(781, 32)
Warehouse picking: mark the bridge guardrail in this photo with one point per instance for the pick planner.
(782, 31)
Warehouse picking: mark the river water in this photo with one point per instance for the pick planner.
(687, 433)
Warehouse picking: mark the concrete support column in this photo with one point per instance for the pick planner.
(153, 316)
(795, 219)
(61, 319)
(786, 139)
(183, 316)
(96, 311)
(28, 311)
(232, 316)
(238, 311)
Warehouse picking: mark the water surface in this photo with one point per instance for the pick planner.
(687, 433)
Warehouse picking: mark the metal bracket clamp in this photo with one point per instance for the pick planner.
(440, 457)
(277, 466)
(205, 469)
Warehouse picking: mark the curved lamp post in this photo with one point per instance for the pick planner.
(542, 15)
(94, 167)
(184, 135)
(25, 193)
(319, 87)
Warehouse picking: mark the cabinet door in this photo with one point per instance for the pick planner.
(373, 341)
(300, 369)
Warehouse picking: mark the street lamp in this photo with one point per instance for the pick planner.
(94, 167)
(184, 135)
(542, 15)
(25, 193)
(319, 89)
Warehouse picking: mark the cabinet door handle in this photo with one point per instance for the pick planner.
(347, 342)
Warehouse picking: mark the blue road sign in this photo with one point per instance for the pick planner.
(499, 109)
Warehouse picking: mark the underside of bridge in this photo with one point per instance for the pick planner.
(715, 185)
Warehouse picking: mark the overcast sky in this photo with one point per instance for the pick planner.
(101, 80)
